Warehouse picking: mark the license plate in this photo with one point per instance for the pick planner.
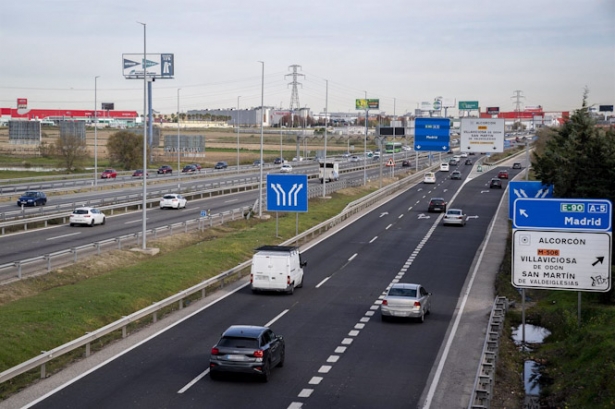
(231, 357)
(262, 277)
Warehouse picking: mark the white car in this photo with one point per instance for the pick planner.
(88, 216)
(464, 154)
(286, 168)
(430, 177)
(444, 167)
(300, 159)
(354, 159)
(174, 201)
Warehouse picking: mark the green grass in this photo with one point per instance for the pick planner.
(42, 313)
(578, 359)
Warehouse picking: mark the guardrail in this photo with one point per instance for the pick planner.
(482, 392)
(202, 288)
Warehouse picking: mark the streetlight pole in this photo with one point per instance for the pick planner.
(237, 126)
(260, 184)
(95, 132)
(365, 142)
(324, 172)
(144, 203)
(178, 146)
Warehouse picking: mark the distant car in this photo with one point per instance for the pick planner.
(429, 177)
(405, 164)
(108, 174)
(88, 216)
(221, 165)
(471, 153)
(286, 168)
(456, 175)
(468, 161)
(406, 300)
(189, 169)
(278, 161)
(299, 159)
(503, 174)
(436, 204)
(257, 163)
(444, 167)
(516, 165)
(197, 166)
(376, 156)
(464, 154)
(139, 173)
(495, 183)
(453, 162)
(454, 216)
(354, 158)
(32, 198)
(247, 349)
(345, 155)
(164, 169)
(174, 201)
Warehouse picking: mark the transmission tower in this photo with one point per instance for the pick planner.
(294, 96)
(518, 97)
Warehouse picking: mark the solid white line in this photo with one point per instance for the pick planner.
(374, 239)
(135, 221)
(322, 282)
(192, 382)
(451, 337)
(62, 236)
(277, 317)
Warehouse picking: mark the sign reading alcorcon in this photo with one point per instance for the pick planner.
(482, 135)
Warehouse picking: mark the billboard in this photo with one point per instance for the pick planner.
(448, 102)
(468, 105)
(391, 131)
(157, 66)
(367, 104)
(432, 134)
(482, 135)
(107, 106)
(426, 106)
(493, 110)
(605, 108)
(22, 103)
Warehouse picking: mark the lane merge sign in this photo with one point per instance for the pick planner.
(593, 215)
(287, 193)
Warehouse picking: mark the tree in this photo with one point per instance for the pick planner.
(126, 150)
(72, 151)
(579, 160)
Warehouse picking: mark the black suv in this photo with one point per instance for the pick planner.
(437, 204)
(165, 169)
(221, 165)
(495, 183)
(247, 349)
(32, 198)
(516, 165)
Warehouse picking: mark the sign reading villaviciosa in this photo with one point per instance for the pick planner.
(561, 260)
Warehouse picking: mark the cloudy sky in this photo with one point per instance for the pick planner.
(402, 52)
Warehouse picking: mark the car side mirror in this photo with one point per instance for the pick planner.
(303, 263)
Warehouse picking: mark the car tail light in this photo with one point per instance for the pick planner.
(258, 353)
(417, 303)
(215, 351)
(288, 280)
(385, 302)
(251, 278)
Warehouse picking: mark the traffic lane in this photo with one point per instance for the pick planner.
(243, 305)
(34, 243)
(389, 363)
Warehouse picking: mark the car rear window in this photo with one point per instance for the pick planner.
(238, 342)
(403, 292)
(168, 197)
(80, 211)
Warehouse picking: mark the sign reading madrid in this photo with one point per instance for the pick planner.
(563, 214)
(287, 193)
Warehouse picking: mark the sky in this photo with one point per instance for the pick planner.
(402, 52)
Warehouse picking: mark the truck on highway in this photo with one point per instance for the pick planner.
(277, 268)
(328, 170)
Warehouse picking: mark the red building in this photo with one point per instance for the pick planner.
(66, 114)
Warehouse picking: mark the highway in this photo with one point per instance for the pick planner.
(339, 353)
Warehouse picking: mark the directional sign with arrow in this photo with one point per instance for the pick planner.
(526, 189)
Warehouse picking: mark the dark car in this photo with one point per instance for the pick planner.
(405, 164)
(165, 169)
(189, 169)
(278, 161)
(503, 174)
(516, 165)
(139, 173)
(247, 349)
(468, 161)
(495, 183)
(221, 165)
(108, 174)
(456, 175)
(32, 198)
(197, 166)
(437, 204)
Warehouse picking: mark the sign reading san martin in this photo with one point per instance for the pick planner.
(561, 260)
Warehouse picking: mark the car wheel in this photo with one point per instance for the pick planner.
(92, 223)
(422, 318)
(35, 203)
(282, 357)
(291, 290)
(72, 224)
(104, 221)
(266, 372)
(213, 375)
(384, 318)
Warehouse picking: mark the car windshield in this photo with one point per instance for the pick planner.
(238, 342)
(403, 292)
(30, 194)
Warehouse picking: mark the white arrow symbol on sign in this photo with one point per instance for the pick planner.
(520, 193)
(522, 212)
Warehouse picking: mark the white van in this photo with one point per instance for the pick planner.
(444, 167)
(329, 171)
(277, 268)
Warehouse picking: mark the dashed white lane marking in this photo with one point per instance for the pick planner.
(230, 201)
(352, 257)
(347, 341)
(333, 359)
(339, 350)
(315, 380)
(400, 216)
(62, 236)
(295, 405)
(353, 333)
(374, 239)
(277, 317)
(389, 226)
(306, 393)
(359, 326)
(322, 282)
(324, 369)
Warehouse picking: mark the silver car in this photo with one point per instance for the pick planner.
(455, 217)
(407, 301)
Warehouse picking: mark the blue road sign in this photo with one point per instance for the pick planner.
(593, 215)
(432, 134)
(287, 193)
(203, 213)
(526, 190)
